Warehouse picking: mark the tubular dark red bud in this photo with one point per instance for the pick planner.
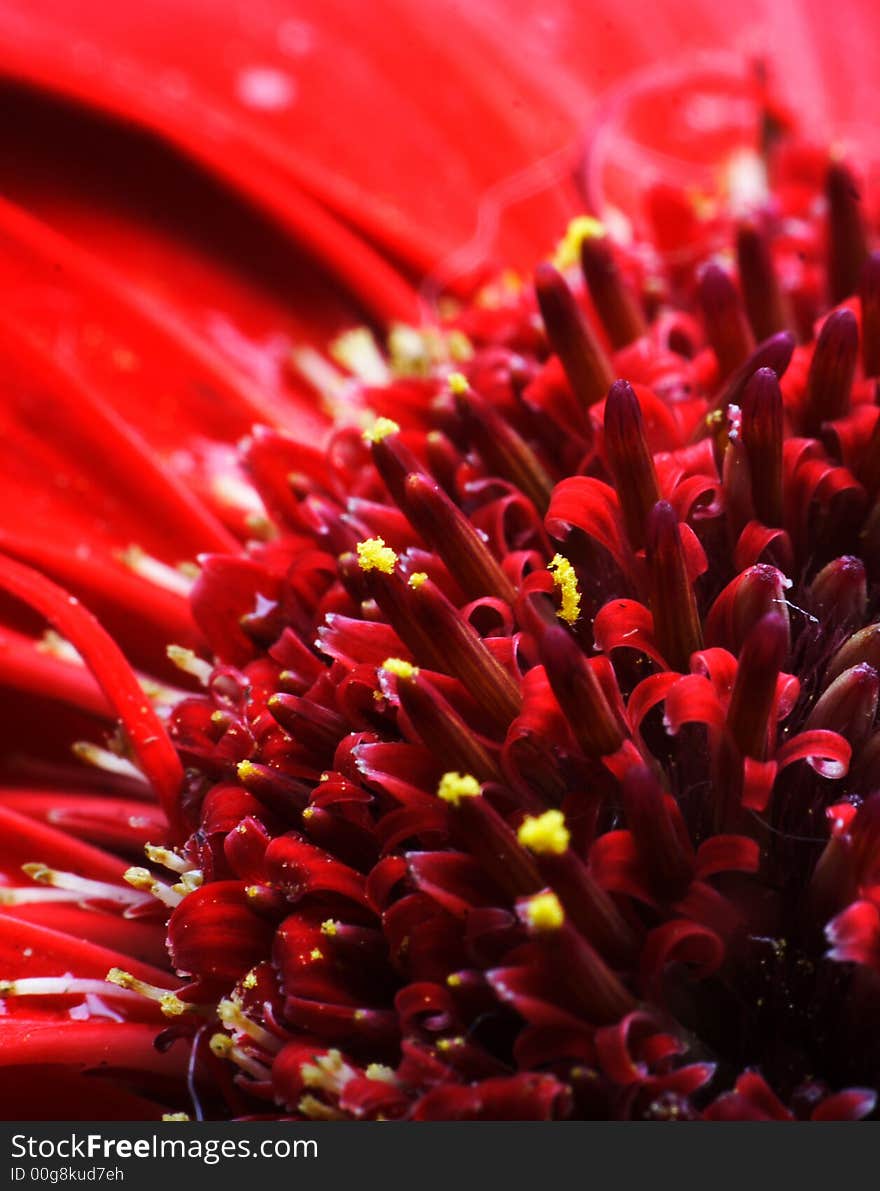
(444, 459)
(760, 287)
(353, 578)
(615, 304)
(279, 793)
(839, 593)
(774, 353)
(673, 606)
(593, 987)
(571, 338)
(762, 434)
(869, 541)
(441, 728)
(588, 907)
(849, 860)
(727, 327)
(440, 639)
(490, 841)
(865, 770)
(394, 462)
(863, 646)
(630, 460)
(847, 244)
(739, 507)
(754, 691)
(305, 720)
(445, 528)
(831, 371)
(761, 591)
(831, 885)
(502, 449)
(659, 843)
(458, 649)
(869, 295)
(579, 694)
(849, 704)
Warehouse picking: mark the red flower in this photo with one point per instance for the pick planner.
(515, 756)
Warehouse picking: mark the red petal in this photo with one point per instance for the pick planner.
(145, 730)
(693, 700)
(589, 505)
(27, 949)
(26, 841)
(300, 869)
(215, 934)
(626, 624)
(727, 853)
(853, 1104)
(682, 942)
(758, 780)
(89, 1045)
(854, 935)
(649, 692)
(455, 881)
(826, 752)
(526, 1097)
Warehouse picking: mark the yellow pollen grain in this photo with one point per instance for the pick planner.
(568, 250)
(380, 1072)
(458, 383)
(120, 978)
(138, 878)
(381, 428)
(459, 346)
(250, 981)
(317, 1110)
(329, 927)
(221, 1045)
(176, 1116)
(374, 555)
(449, 1043)
(544, 912)
(417, 578)
(565, 579)
(545, 833)
(246, 769)
(455, 786)
(172, 1006)
(316, 953)
(453, 980)
(309, 812)
(400, 667)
